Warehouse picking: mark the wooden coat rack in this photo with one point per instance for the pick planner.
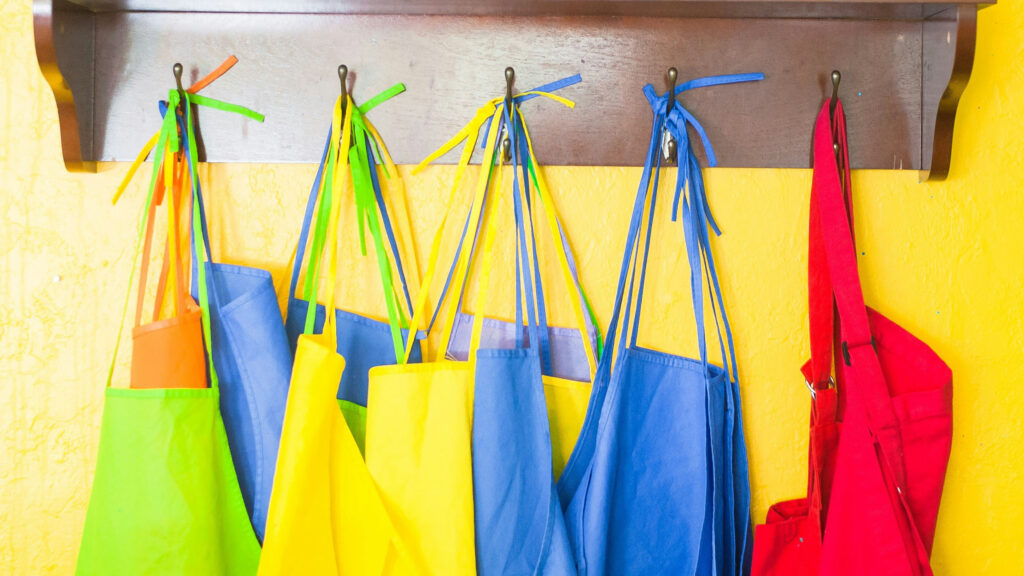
(904, 64)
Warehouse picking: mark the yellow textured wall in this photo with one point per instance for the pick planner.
(944, 260)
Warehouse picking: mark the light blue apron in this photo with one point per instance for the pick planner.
(520, 529)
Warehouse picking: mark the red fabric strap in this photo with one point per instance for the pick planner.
(832, 237)
(835, 241)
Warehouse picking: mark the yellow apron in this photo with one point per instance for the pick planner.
(419, 416)
(326, 516)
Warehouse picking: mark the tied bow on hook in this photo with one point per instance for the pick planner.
(671, 121)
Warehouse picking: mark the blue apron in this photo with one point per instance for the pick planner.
(250, 353)
(657, 483)
(520, 529)
(363, 342)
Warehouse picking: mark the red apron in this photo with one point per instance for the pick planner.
(880, 440)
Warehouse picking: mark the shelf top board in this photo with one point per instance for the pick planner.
(847, 9)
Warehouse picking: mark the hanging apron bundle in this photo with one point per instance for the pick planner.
(165, 497)
(253, 361)
(419, 443)
(363, 342)
(881, 430)
(657, 483)
(326, 515)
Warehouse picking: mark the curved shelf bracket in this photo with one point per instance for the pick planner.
(64, 39)
(947, 56)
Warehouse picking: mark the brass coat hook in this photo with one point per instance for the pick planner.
(506, 142)
(343, 77)
(836, 78)
(669, 146)
(178, 69)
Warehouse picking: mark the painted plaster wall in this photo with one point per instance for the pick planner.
(944, 260)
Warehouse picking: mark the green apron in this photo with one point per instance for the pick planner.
(165, 499)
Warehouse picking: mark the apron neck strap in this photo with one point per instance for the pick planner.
(350, 155)
(483, 121)
(689, 202)
(167, 146)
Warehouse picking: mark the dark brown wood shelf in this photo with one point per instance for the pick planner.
(904, 65)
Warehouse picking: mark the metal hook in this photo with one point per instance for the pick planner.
(669, 146)
(836, 77)
(343, 77)
(506, 142)
(673, 74)
(510, 79)
(178, 69)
